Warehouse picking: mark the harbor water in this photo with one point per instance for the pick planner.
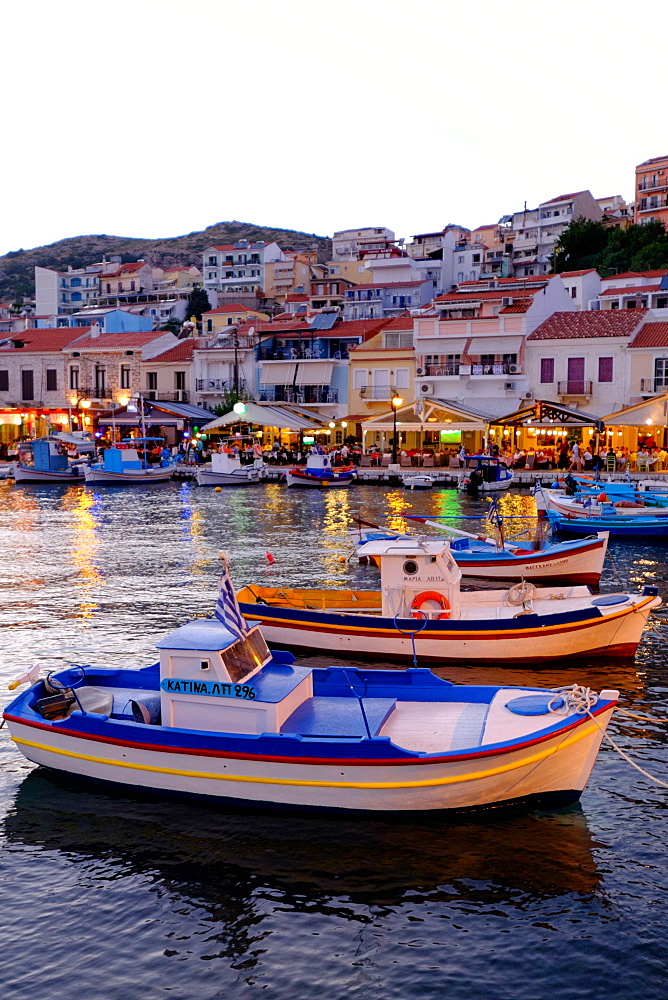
(115, 896)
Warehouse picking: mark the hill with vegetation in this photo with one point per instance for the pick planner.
(585, 243)
(17, 276)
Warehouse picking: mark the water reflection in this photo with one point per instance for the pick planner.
(86, 509)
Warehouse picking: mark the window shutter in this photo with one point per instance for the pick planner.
(605, 369)
(547, 370)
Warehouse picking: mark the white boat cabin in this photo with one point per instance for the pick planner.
(417, 574)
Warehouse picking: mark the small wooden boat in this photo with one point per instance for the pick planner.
(125, 467)
(319, 474)
(51, 460)
(418, 482)
(420, 605)
(484, 474)
(480, 558)
(226, 470)
(645, 529)
(591, 507)
(220, 717)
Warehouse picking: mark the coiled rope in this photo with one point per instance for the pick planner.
(581, 699)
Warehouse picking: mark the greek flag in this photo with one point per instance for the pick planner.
(227, 608)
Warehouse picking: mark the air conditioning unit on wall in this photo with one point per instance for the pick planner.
(426, 388)
(513, 369)
(420, 372)
(528, 395)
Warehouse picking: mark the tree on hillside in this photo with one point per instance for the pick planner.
(580, 244)
(198, 303)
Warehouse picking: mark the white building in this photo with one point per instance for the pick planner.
(349, 244)
(238, 268)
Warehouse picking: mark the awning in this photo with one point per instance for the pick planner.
(314, 373)
(265, 416)
(152, 418)
(494, 345)
(442, 345)
(277, 373)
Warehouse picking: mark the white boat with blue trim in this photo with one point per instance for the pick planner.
(420, 606)
(124, 466)
(58, 458)
(484, 474)
(225, 469)
(221, 717)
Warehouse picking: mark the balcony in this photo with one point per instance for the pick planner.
(289, 354)
(447, 370)
(218, 385)
(384, 392)
(503, 369)
(178, 396)
(578, 387)
(650, 386)
(303, 395)
(653, 184)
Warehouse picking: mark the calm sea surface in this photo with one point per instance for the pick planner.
(114, 897)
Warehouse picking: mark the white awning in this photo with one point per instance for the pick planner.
(314, 372)
(494, 345)
(264, 416)
(278, 373)
(442, 345)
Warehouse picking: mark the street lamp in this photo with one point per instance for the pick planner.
(396, 403)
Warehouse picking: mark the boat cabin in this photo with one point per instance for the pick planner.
(210, 679)
(492, 468)
(417, 575)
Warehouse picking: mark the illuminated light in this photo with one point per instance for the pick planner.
(397, 401)
(17, 420)
(432, 420)
(331, 424)
(123, 400)
(258, 434)
(98, 434)
(649, 421)
(344, 423)
(87, 420)
(85, 404)
(239, 407)
(186, 434)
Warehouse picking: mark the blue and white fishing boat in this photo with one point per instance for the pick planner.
(221, 717)
(58, 458)
(484, 474)
(319, 474)
(482, 558)
(226, 469)
(125, 466)
(645, 529)
(420, 606)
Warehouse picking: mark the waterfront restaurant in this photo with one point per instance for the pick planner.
(541, 424)
(291, 427)
(643, 424)
(431, 425)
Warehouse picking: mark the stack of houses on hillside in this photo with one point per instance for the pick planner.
(471, 320)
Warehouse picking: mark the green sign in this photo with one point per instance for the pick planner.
(450, 437)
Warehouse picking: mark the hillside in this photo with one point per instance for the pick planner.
(17, 268)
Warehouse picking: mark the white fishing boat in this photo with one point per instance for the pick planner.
(420, 606)
(221, 717)
(225, 469)
(418, 482)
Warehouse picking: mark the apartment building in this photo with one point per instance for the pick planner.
(651, 191)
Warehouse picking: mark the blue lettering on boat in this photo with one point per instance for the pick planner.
(211, 688)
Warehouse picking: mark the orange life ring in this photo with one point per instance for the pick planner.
(431, 595)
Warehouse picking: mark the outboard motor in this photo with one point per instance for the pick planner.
(571, 486)
(476, 480)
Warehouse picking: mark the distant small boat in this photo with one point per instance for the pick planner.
(484, 474)
(227, 470)
(221, 717)
(418, 482)
(319, 474)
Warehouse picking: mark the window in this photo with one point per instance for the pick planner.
(152, 380)
(132, 286)
(100, 380)
(660, 374)
(125, 376)
(74, 377)
(401, 378)
(476, 258)
(4, 380)
(605, 369)
(574, 292)
(76, 296)
(179, 380)
(359, 378)
(27, 384)
(662, 303)
(547, 370)
(51, 379)
(75, 283)
(213, 261)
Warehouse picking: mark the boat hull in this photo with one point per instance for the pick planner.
(244, 477)
(319, 482)
(528, 639)
(554, 767)
(143, 476)
(28, 474)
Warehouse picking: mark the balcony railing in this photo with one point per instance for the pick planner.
(578, 387)
(653, 385)
(376, 392)
(304, 394)
(503, 368)
(218, 384)
(178, 396)
(452, 368)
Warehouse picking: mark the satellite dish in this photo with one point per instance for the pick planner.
(251, 331)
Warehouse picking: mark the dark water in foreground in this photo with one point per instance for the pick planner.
(114, 897)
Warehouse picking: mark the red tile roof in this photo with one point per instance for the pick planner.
(296, 297)
(124, 269)
(229, 307)
(637, 274)
(119, 341)
(583, 325)
(576, 274)
(517, 307)
(563, 197)
(651, 335)
(182, 351)
(471, 294)
(630, 290)
(403, 322)
(47, 338)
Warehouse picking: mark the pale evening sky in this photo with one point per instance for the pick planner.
(155, 118)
